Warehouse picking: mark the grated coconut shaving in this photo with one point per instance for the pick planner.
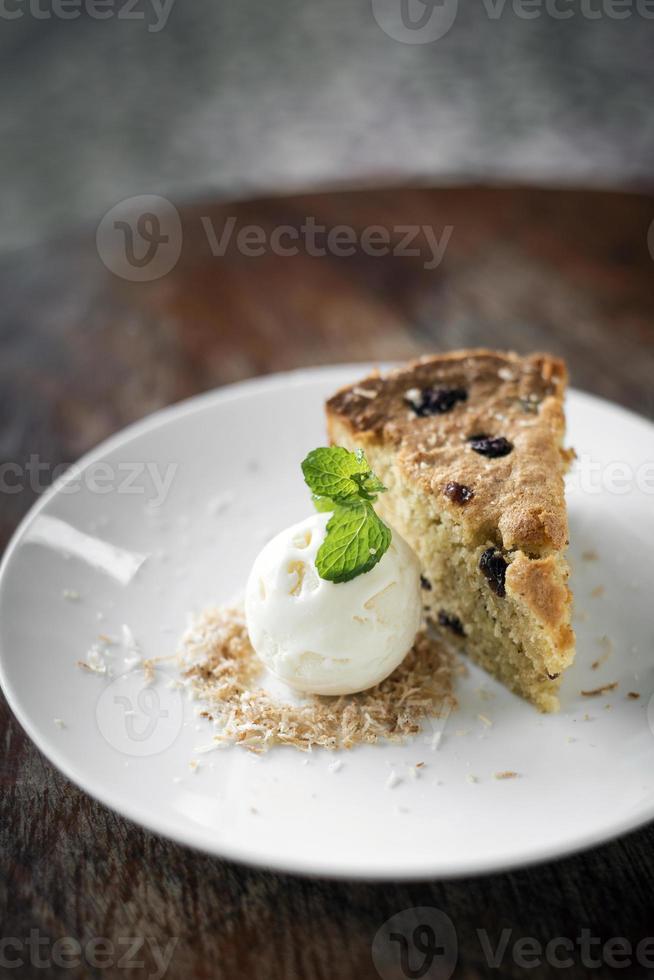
(225, 673)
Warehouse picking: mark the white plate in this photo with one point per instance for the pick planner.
(584, 775)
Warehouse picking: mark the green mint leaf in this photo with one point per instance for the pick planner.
(340, 475)
(373, 485)
(329, 472)
(356, 540)
(356, 537)
(322, 504)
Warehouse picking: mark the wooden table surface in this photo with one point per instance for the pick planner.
(84, 353)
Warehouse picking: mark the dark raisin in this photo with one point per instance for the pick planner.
(451, 622)
(493, 566)
(457, 492)
(425, 583)
(552, 677)
(435, 401)
(491, 446)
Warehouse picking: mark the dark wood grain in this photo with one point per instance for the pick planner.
(84, 353)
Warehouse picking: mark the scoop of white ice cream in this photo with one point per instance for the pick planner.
(323, 637)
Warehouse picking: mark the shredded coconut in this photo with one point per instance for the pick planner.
(393, 781)
(217, 658)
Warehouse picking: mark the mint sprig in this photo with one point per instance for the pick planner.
(356, 537)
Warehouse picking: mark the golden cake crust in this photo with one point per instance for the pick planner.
(486, 519)
(518, 499)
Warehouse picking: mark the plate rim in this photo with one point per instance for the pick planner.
(494, 864)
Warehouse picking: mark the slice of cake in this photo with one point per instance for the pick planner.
(469, 445)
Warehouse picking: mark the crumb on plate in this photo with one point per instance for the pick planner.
(597, 691)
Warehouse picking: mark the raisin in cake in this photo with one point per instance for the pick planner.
(469, 445)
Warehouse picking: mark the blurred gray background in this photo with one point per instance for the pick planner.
(217, 98)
